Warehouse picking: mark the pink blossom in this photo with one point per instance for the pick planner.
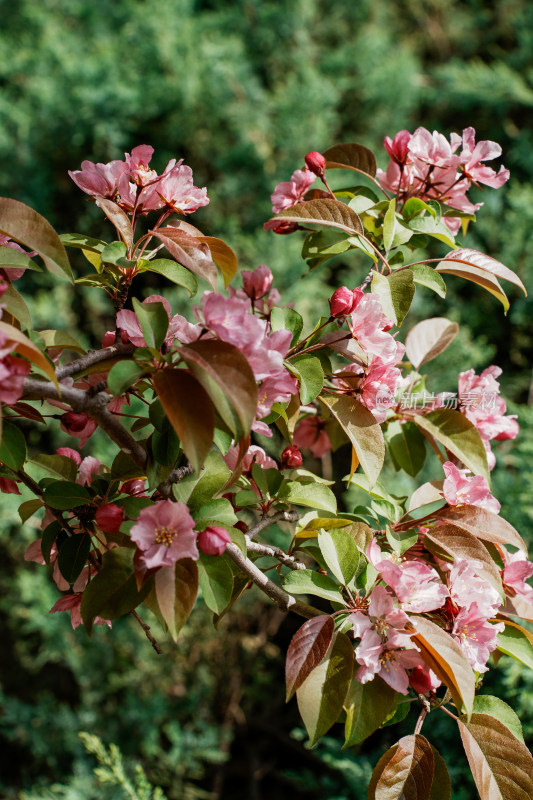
(473, 154)
(72, 603)
(258, 282)
(466, 587)
(13, 370)
(213, 540)
(310, 433)
(367, 323)
(416, 585)
(459, 489)
(89, 466)
(516, 572)
(316, 163)
(383, 617)
(398, 148)
(288, 193)
(376, 385)
(343, 301)
(476, 636)
(109, 517)
(386, 661)
(482, 405)
(79, 425)
(177, 190)
(99, 180)
(68, 452)
(165, 534)
(254, 455)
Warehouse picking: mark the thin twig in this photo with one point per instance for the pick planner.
(92, 358)
(275, 552)
(265, 522)
(146, 629)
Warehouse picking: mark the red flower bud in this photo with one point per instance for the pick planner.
(74, 423)
(342, 302)
(316, 163)
(291, 457)
(109, 517)
(135, 486)
(212, 541)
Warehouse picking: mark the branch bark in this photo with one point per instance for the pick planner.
(92, 358)
(264, 522)
(275, 552)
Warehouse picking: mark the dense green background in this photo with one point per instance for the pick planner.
(242, 91)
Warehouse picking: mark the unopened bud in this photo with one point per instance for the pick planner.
(213, 540)
(316, 163)
(74, 423)
(109, 517)
(342, 302)
(291, 457)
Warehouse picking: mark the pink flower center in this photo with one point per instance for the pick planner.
(165, 535)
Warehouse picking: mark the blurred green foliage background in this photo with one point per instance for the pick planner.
(242, 91)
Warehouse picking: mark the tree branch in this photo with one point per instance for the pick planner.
(264, 522)
(92, 358)
(281, 598)
(275, 552)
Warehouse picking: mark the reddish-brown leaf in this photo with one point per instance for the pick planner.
(477, 276)
(24, 225)
(447, 660)
(428, 339)
(351, 155)
(501, 764)
(407, 774)
(189, 251)
(484, 524)
(518, 607)
(118, 217)
(176, 589)
(308, 647)
(228, 379)
(328, 212)
(462, 544)
(189, 410)
(223, 256)
(483, 262)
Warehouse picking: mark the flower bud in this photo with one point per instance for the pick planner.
(315, 162)
(291, 457)
(109, 517)
(73, 423)
(342, 302)
(213, 540)
(135, 486)
(68, 452)
(257, 283)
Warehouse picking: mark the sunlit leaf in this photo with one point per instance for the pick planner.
(223, 256)
(477, 276)
(173, 272)
(407, 774)
(189, 251)
(517, 642)
(328, 212)
(305, 581)
(482, 262)
(340, 554)
(118, 217)
(459, 436)
(484, 524)
(308, 647)
(428, 339)
(351, 155)
(459, 543)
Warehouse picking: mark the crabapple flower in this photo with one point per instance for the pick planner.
(480, 402)
(288, 193)
(258, 282)
(473, 154)
(310, 433)
(98, 180)
(316, 163)
(176, 190)
(291, 457)
(386, 661)
(213, 540)
(130, 326)
(109, 517)
(72, 603)
(466, 587)
(416, 585)
(79, 425)
(515, 574)
(368, 323)
(68, 452)
(459, 489)
(89, 466)
(398, 148)
(383, 617)
(165, 534)
(13, 370)
(254, 455)
(343, 301)
(476, 636)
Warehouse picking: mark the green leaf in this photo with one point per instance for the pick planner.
(415, 206)
(60, 339)
(48, 539)
(189, 410)
(173, 272)
(64, 495)
(123, 375)
(219, 512)
(459, 436)
(15, 304)
(60, 466)
(363, 431)
(401, 541)
(495, 707)
(190, 251)
(216, 582)
(396, 292)
(82, 242)
(112, 592)
(367, 706)
(113, 252)
(516, 642)
(430, 227)
(425, 275)
(305, 581)
(407, 446)
(176, 589)
(26, 226)
(389, 225)
(340, 554)
(309, 371)
(29, 507)
(321, 245)
(322, 694)
(287, 319)
(15, 259)
(72, 556)
(228, 379)
(313, 495)
(153, 319)
(165, 446)
(198, 489)
(12, 446)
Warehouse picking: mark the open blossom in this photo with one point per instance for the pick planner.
(258, 282)
(460, 489)
(386, 661)
(13, 370)
(476, 636)
(466, 587)
(177, 190)
(72, 603)
(416, 585)
(130, 326)
(254, 455)
(516, 572)
(288, 193)
(480, 402)
(375, 385)
(369, 326)
(165, 534)
(383, 617)
(472, 156)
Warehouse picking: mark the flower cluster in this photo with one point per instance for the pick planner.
(137, 188)
(428, 166)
